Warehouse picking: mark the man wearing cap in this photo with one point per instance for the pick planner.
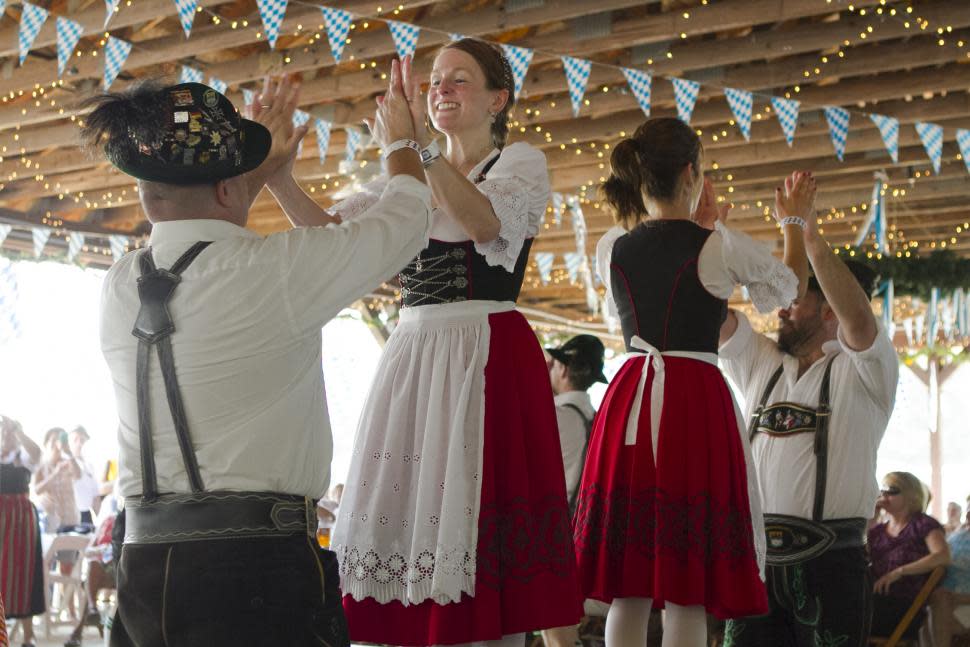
(818, 401)
(212, 336)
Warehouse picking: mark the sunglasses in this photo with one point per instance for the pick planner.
(889, 491)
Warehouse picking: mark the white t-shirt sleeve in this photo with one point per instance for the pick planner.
(731, 258)
(517, 185)
(604, 255)
(742, 354)
(877, 367)
(356, 204)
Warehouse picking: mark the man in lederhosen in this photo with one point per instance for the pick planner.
(818, 402)
(212, 336)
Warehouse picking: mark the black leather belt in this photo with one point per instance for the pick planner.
(217, 515)
(792, 540)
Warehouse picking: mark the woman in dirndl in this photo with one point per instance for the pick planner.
(454, 525)
(668, 513)
(21, 560)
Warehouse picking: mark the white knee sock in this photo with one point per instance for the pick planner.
(684, 626)
(626, 622)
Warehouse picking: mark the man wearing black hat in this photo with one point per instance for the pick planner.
(212, 336)
(818, 402)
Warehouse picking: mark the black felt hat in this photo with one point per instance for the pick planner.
(582, 350)
(202, 139)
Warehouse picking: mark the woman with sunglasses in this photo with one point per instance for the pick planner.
(904, 549)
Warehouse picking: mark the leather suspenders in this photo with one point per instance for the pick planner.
(154, 327)
(794, 415)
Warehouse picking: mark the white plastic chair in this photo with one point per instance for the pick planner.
(60, 589)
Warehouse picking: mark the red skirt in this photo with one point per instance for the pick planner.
(21, 561)
(525, 577)
(679, 530)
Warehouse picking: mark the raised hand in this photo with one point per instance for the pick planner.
(708, 212)
(392, 121)
(797, 198)
(416, 102)
(273, 107)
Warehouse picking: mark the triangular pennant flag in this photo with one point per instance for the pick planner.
(218, 85)
(110, 7)
(519, 59)
(116, 52)
(685, 94)
(68, 34)
(455, 36)
(9, 296)
(118, 244)
(741, 103)
(249, 96)
(353, 143)
(787, 112)
(300, 118)
(338, 28)
(4, 231)
(557, 205)
(31, 20)
(574, 260)
(889, 129)
(577, 76)
(640, 82)
(75, 241)
(963, 141)
(405, 37)
(932, 137)
(544, 264)
(323, 138)
(272, 12)
(190, 75)
(838, 119)
(41, 234)
(186, 10)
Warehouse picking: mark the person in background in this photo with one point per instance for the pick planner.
(953, 518)
(54, 482)
(87, 493)
(952, 598)
(573, 368)
(903, 549)
(21, 559)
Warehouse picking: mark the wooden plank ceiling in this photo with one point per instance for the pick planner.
(909, 60)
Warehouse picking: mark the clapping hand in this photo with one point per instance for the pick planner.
(416, 102)
(708, 212)
(273, 107)
(392, 121)
(797, 197)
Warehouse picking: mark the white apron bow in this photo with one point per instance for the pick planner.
(656, 358)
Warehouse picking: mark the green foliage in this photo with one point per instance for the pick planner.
(918, 275)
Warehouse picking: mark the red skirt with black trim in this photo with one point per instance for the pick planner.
(21, 560)
(680, 530)
(525, 577)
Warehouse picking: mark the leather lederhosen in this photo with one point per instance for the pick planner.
(156, 517)
(790, 539)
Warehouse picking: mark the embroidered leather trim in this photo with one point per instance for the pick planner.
(785, 419)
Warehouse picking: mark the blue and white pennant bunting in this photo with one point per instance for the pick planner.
(640, 83)
(186, 10)
(405, 37)
(9, 297)
(116, 52)
(838, 119)
(118, 243)
(32, 18)
(574, 262)
(300, 118)
(353, 143)
(75, 241)
(889, 130)
(685, 95)
(787, 112)
(190, 75)
(40, 236)
(932, 137)
(272, 12)
(544, 265)
(741, 103)
(110, 9)
(557, 206)
(218, 85)
(249, 96)
(5, 230)
(963, 141)
(338, 28)
(322, 127)
(519, 59)
(577, 76)
(68, 34)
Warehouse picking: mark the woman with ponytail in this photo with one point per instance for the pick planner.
(454, 525)
(668, 512)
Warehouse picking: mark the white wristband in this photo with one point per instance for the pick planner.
(402, 143)
(430, 153)
(794, 220)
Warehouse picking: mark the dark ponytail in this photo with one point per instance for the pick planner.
(649, 163)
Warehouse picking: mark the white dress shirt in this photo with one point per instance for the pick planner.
(862, 394)
(572, 434)
(247, 343)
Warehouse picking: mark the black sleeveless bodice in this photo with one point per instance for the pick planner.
(14, 479)
(450, 272)
(658, 294)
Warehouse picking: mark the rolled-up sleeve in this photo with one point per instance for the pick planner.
(877, 367)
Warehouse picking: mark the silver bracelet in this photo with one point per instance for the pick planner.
(430, 153)
(402, 143)
(794, 220)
